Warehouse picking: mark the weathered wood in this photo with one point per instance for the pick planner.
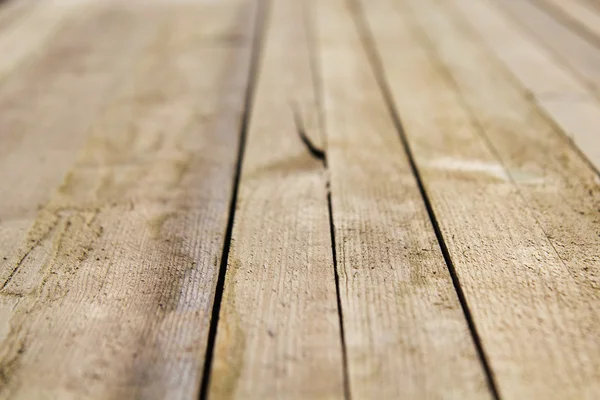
(278, 333)
(110, 294)
(564, 98)
(21, 38)
(515, 204)
(405, 333)
(70, 83)
(580, 55)
(579, 12)
(119, 136)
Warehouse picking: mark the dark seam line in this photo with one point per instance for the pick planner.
(321, 155)
(347, 393)
(258, 40)
(480, 128)
(369, 46)
(317, 81)
(312, 149)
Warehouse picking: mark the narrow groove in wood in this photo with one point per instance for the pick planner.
(257, 45)
(314, 151)
(568, 22)
(489, 144)
(318, 90)
(367, 40)
(322, 155)
(347, 393)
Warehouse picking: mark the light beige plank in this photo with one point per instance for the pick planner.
(110, 294)
(47, 108)
(580, 12)
(564, 98)
(405, 332)
(278, 334)
(25, 37)
(514, 202)
(582, 57)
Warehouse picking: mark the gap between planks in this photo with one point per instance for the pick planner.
(257, 44)
(157, 353)
(241, 338)
(376, 64)
(322, 155)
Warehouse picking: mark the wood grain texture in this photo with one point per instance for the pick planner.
(579, 12)
(405, 333)
(565, 99)
(581, 56)
(110, 293)
(70, 82)
(278, 334)
(516, 205)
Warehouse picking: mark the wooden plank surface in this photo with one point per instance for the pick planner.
(567, 100)
(259, 199)
(41, 138)
(405, 333)
(579, 12)
(22, 35)
(110, 293)
(579, 54)
(506, 190)
(278, 335)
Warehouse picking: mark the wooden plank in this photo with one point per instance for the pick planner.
(581, 56)
(564, 98)
(21, 39)
(41, 138)
(516, 206)
(403, 323)
(110, 294)
(278, 333)
(578, 12)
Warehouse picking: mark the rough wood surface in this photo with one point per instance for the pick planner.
(523, 231)
(357, 199)
(567, 100)
(579, 54)
(41, 138)
(405, 333)
(110, 293)
(278, 334)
